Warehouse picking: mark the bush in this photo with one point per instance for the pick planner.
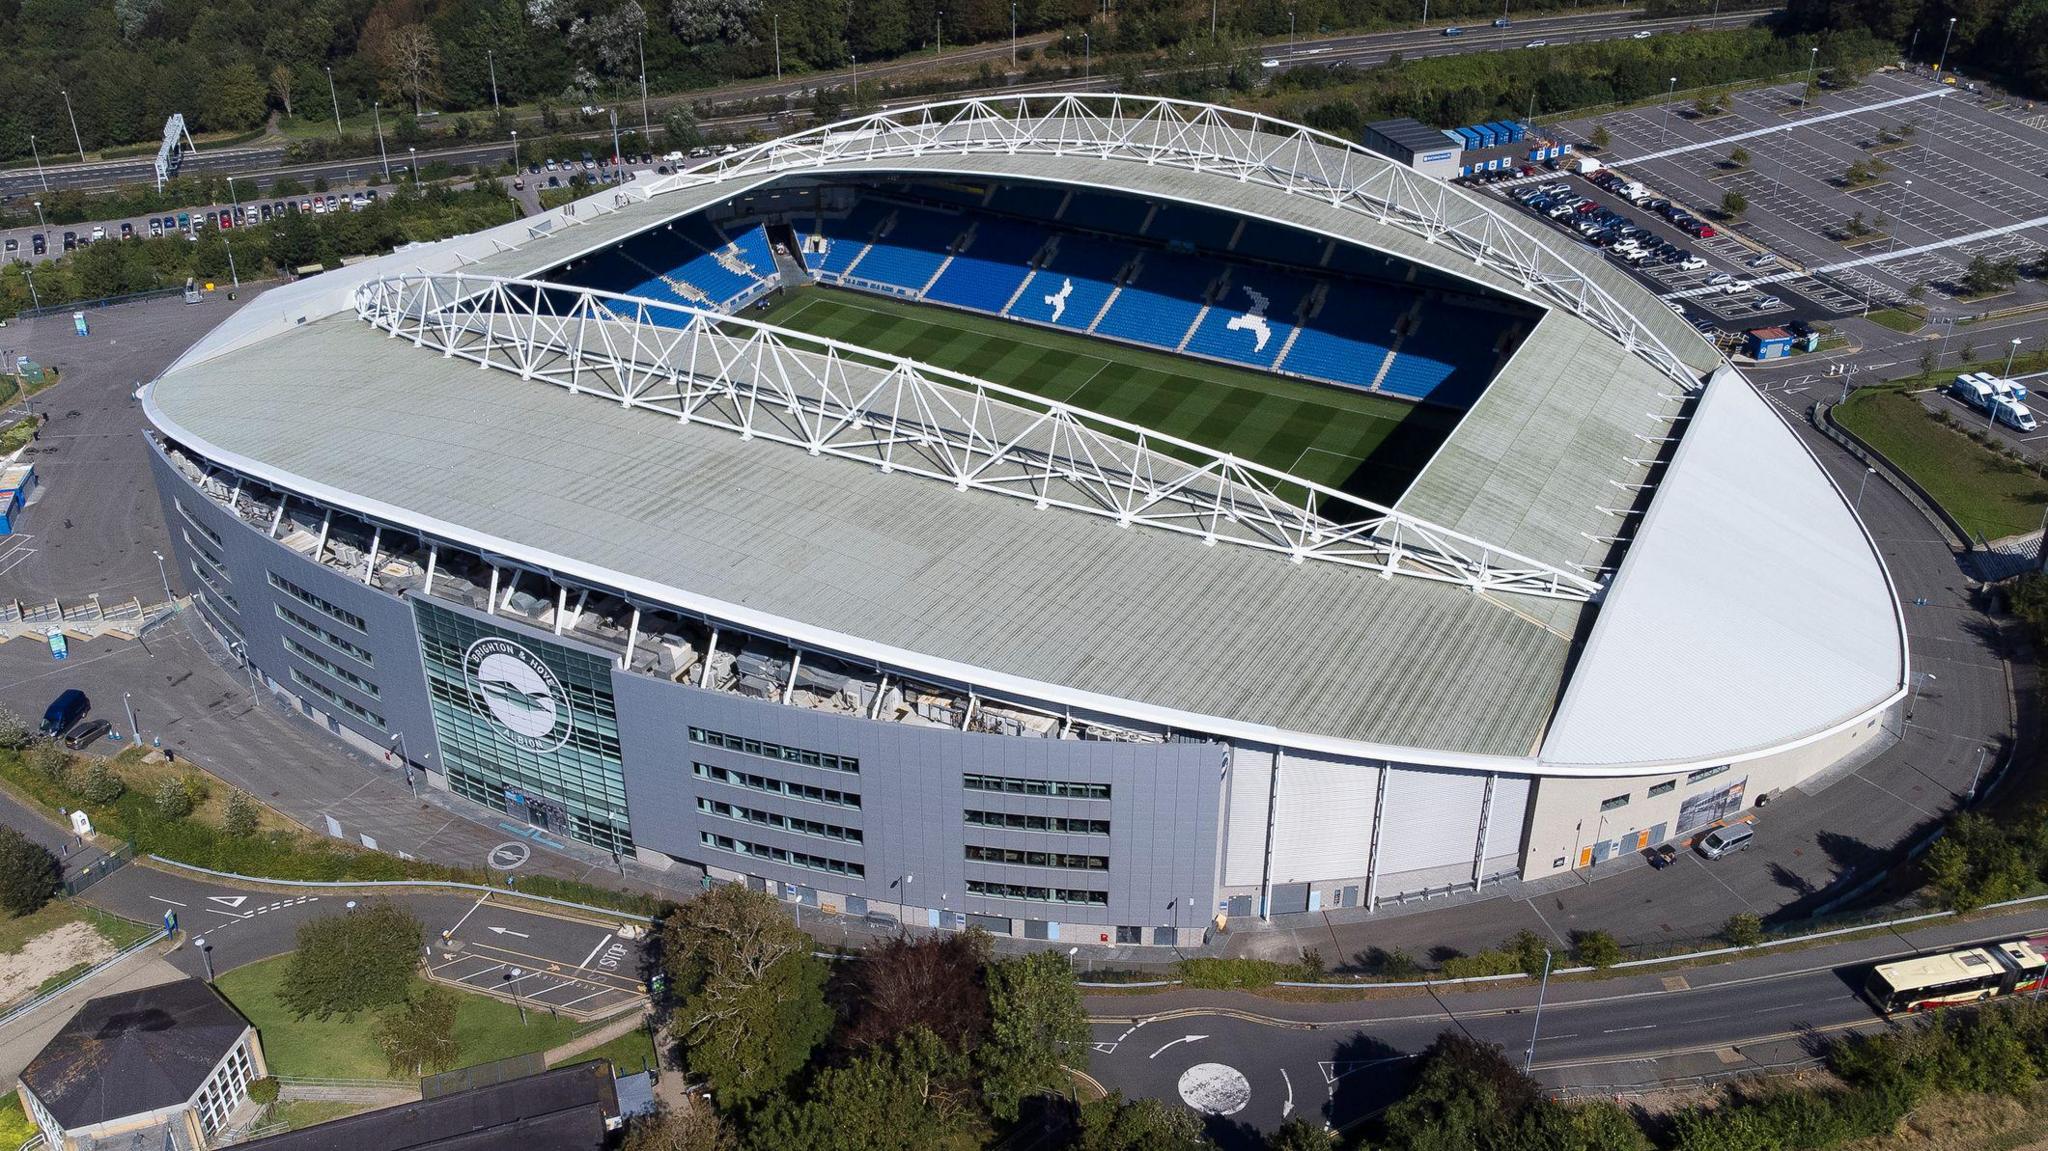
(15, 732)
(49, 760)
(263, 1090)
(1221, 973)
(356, 960)
(29, 874)
(1521, 952)
(1595, 949)
(102, 788)
(1743, 929)
(241, 817)
(173, 801)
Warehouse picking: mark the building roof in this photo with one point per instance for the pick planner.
(1413, 134)
(565, 1109)
(134, 1052)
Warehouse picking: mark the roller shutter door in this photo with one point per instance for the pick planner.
(1510, 815)
(1244, 836)
(1322, 826)
(1432, 819)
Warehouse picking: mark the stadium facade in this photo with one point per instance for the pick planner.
(544, 512)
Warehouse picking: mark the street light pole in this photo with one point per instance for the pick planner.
(491, 58)
(74, 124)
(414, 152)
(377, 114)
(336, 99)
(1860, 486)
(1812, 58)
(2014, 352)
(130, 709)
(1534, 1028)
(1013, 35)
(205, 951)
(646, 124)
(939, 30)
(1945, 37)
(515, 150)
(165, 572)
(38, 154)
(1668, 94)
(1087, 56)
(1976, 775)
(777, 18)
(512, 978)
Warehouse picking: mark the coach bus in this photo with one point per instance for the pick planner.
(1971, 975)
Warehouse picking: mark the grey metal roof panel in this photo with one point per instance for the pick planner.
(978, 581)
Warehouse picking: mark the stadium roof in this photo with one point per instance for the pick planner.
(1133, 622)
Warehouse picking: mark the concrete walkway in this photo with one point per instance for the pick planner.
(624, 1025)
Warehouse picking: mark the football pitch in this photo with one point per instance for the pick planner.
(1368, 445)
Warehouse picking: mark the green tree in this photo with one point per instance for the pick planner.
(29, 874)
(1466, 1095)
(353, 962)
(751, 1003)
(1298, 1134)
(241, 816)
(1595, 949)
(1036, 1026)
(694, 1128)
(1743, 929)
(1739, 157)
(172, 800)
(1856, 173)
(418, 1037)
(101, 786)
(15, 732)
(49, 760)
(1917, 291)
(231, 96)
(1600, 137)
(1113, 1123)
(1734, 204)
(682, 129)
(912, 1095)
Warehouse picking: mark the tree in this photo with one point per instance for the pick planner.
(411, 58)
(751, 996)
(1734, 204)
(29, 874)
(49, 760)
(281, 87)
(1113, 1123)
(1985, 275)
(933, 983)
(418, 1036)
(231, 96)
(1856, 225)
(241, 817)
(683, 131)
(172, 800)
(351, 962)
(695, 1128)
(101, 787)
(15, 732)
(1743, 929)
(1466, 1095)
(1600, 137)
(1036, 1025)
(1739, 157)
(1917, 291)
(1856, 173)
(1298, 1134)
(1595, 949)
(1705, 106)
(912, 1095)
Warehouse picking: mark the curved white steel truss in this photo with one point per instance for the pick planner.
(832, 398)
(1241, 145)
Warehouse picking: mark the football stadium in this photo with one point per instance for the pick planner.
(1084, 517)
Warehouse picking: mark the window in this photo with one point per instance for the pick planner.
(1037, 894)
(208, 552)
(979, 854)
(1611, 804)
(781, 855)
(337, 699)
(1015, 822)
(339, 614)
(775, 819)
(1057, 789)
(324, 636)
(213, 585)
(1130, 935)
(1663, 788)
(1705, 773)
(330, 667)
(762, 783)
(208, 532)
(766, 750)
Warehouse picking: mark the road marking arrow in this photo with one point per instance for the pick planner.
(229, 900)
(509, 931)
(1287, 1108)
(1182, 1039)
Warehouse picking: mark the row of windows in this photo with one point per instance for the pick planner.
(1665, 788)
(803, 791)
(1037, 894)
(337, 699)
(330, 667)
(1057, 789)
(208, 552)
(213, 585)
(208, 532)
(1705, 773)
(220, 622)
(801, 755)
(332, 611)
(1059, 823)
(779, 821)
(324, 636)
(980, 854)
(782, 856)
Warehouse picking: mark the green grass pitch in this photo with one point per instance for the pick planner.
(1368, 445)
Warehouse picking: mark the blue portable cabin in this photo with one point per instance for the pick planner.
(17, 484)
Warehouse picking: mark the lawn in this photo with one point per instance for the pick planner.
(1369, 445)
(485, 1028)
(297, 1113)
(629, 1053)
(1989, 495)
(15, 1125)
(16, 932)
(1899, 319)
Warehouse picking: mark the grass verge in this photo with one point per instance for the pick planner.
(1898, 320)
(297, 1113)
(16, 932)
(15, 1126)
(629, 1053)
(1990, 495)
(485, 1029)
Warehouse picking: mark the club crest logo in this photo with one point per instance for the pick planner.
(520, 692)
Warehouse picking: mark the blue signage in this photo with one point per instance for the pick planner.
(59, 646)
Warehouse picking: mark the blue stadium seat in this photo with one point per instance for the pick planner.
(1161, 303)
(1207, 231)
(913, 250)
(986, 275)
(1071, 287)
(1262, 328)
(1117, 215)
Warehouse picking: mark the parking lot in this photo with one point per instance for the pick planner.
(1958, 164)
(570, 966)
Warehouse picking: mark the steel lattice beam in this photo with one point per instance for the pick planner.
(831, 398)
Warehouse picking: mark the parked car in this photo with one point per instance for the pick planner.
(66, 710)
(37, 244)
(98, 233)
(127, 230)
(1718, 279)
(88, 733)
(1691, 264)
(70, 241)
(1763, 261)
(1766, 303)
(1727, 840)
(156, 228)
(13, 245)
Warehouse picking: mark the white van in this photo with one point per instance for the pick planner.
(1727, 840)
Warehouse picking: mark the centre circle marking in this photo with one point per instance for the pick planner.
(1215, 1089)
(508, 856)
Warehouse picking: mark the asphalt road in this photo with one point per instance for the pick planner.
(265, 163)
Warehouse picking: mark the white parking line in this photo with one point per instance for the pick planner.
(464, 919)
(1937, 93)
(593, 951)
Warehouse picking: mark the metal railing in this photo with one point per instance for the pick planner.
(447, 884)
(17, 1012)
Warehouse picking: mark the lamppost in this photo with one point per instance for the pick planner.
(1812, 58)
(1945, 37)
(1864, 483)
(166, 574)
(1013, 35)
(234, 277)
(1087, 56)
(1290, 31)
(205, 951)
(38, 154)
(80, 143)
(377, 114)
(512, 977)
(415, 153)
(28, 273)
(336, 99)
(939, 30)
(130, 709)
(646, 124)
(2014, 351)
(1668, 94)
(1537, 1026)
(515, 149)
(777, 18)
(406, 760)
(491, 58)
(1976, 775)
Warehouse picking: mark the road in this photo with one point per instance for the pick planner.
(1341, 1061)
(265, 163)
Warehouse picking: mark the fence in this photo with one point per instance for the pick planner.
(23, 1009)
(100, 868)
(102, 302)
(1907, 485)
